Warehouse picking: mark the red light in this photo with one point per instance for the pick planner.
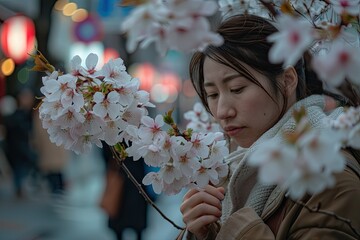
(18, 38)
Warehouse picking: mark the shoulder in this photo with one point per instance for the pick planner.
(322, 213)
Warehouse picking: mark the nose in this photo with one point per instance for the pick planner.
(225, 108)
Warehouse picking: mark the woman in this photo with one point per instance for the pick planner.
(253, 99)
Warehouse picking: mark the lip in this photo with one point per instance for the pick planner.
(232, 131)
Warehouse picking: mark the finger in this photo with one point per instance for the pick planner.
(217, 192)
(190, 193)
(201, 223)
(200, 210)
(199, 198)
(330, 103)
(221, 189)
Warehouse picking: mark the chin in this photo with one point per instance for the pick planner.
(244, 144)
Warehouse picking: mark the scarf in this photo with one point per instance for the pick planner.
(243, 189)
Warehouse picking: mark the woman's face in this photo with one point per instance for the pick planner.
(242, 108)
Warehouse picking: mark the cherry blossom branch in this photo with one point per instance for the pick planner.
(121, 163)
(270, 7)
(317, 209)
(350, 92)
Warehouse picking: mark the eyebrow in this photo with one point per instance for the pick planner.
(224, 80)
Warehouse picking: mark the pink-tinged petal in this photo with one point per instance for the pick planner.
(99, 110)
(159, 120)
(114, 110)
(113, 97)
(75, 62)
(202, 180)
(147, 121)
(52, 85)
(98, 97)
(354, 137)
(208, 8)
(149, 178)
(91, 61)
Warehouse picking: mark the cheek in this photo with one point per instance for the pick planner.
(265, 108)
(213, 109)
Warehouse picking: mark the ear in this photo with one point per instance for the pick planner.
(290, 81)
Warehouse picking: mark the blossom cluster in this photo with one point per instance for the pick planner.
(329, 29)
(196, 160)
(348, 126)
(89, 106)
(171, 24)
(200, 120)
(306, 164)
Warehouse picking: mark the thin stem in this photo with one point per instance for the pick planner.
(318, 210)
(141, 190)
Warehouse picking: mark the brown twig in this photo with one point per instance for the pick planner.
(350, 92)
(317, 209)
(138, 186)
(270, 7)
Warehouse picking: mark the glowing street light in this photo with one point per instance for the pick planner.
(18, 38)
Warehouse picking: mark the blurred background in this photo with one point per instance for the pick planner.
(47, 192)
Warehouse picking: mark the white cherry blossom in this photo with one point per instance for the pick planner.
(321, 150)
(178, 25)
(218, 150)
(346, 6)
(275, 162)
(342, 61)
(169, 173)
(114, 72)
(347, 126)
(190, 34)
(200, 143)
(354, 137)
(139, 24)
(151, 128)
(91, 62)
(107, 105)
(198, 113)
(75, 66)
(52, 109)
(112, 131)
(205, 175)
(155, 180)
(200, 120)
(297, 167)
(69, 118)
(294, 37)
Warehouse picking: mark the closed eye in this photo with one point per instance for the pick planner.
(237, 90)
(212, 95)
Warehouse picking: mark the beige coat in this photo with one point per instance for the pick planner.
(51, 158)
(283, 219)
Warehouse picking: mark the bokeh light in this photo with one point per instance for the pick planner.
(7, 67)
(80, 15)
(60, 4)
(23, 75)
(159, 93)
(69, 9)
(110, 53)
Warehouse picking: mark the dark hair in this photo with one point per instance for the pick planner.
(245, 41)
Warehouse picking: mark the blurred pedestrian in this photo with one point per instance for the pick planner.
(121, 199)
(52, 159)
(17, 147)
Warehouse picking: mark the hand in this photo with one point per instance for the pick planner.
(201, 208)
(330, 103)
